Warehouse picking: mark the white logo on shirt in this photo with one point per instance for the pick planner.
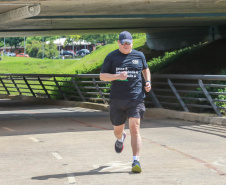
(135, 62)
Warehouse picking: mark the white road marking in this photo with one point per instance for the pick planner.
(8, 129)
(34, 139)
(220, 162)
(71, 178)
(55, 154)
(80, 109)
(115, 166)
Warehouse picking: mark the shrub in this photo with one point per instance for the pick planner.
(35, 50)
(99, 46)
(157, 64)
(221, 97)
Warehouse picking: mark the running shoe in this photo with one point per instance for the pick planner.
(119, 145)
(136, 167)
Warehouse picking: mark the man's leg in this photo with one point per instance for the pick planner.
(134, 126)
(120, 135)
(118, 131)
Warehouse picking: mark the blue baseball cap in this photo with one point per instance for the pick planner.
(125, 36)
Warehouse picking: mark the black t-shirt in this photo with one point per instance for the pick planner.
(133, 63)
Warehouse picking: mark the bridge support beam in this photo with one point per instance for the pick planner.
(179, 38)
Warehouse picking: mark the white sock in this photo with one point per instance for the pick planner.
(122, 139)
(137, 158)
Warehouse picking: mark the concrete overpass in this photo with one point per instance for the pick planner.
(168, 23)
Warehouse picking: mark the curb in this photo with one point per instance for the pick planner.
(187, 116)
(89, 105)
(150, 112)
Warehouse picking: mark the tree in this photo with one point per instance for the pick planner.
(102, 38)
(40, 39)
(71, 38)
(1, 42)
(138, 35)
(107, 38)
(13, 41)
(50, 51)
(35, 49)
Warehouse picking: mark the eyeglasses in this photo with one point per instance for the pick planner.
(125, 43)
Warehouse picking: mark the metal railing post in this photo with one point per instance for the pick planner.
(18, 89)
(28, 85)
(209, 98)
(99, 91)
(78, 90)
(40, 81)
(61, 92)
(154, 99)
(4, 86)
(177, 95)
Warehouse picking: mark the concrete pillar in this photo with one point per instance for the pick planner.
(179, 38)
(214, 33)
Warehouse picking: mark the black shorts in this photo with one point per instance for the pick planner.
(120, 110)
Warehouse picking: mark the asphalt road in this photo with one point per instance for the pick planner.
(56, 145)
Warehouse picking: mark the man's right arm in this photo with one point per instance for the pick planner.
(111, 77)
(106, 75)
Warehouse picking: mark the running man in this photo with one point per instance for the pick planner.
(124, 67)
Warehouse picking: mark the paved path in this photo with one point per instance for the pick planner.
(56, 145)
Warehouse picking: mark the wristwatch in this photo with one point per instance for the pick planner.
(148, 81)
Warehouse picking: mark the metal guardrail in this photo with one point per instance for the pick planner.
(180, 92)
(191, 91)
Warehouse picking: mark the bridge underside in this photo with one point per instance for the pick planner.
(160, 19)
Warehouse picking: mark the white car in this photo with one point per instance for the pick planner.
(10, 54)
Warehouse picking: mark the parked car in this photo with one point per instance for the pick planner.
(67, 53)
(86, 50)
(82, 52)
(10, 54)
(22, 55)
(72, 52)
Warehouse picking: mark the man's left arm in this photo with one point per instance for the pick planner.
(147, 77)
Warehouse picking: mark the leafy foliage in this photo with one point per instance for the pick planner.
(157, 64)
(29, 40)
(99, 46)
(35, 49)
(13, 41)
(107, 38)
(221, 97)
(1, 42)
(71, 38)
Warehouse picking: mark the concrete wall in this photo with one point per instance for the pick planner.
(182, 37)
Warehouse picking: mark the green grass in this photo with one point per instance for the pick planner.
(34, 66)
(59, 66)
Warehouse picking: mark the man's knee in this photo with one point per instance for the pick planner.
(134, 125)
(118, 130)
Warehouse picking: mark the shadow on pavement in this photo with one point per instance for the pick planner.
(91, 172)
